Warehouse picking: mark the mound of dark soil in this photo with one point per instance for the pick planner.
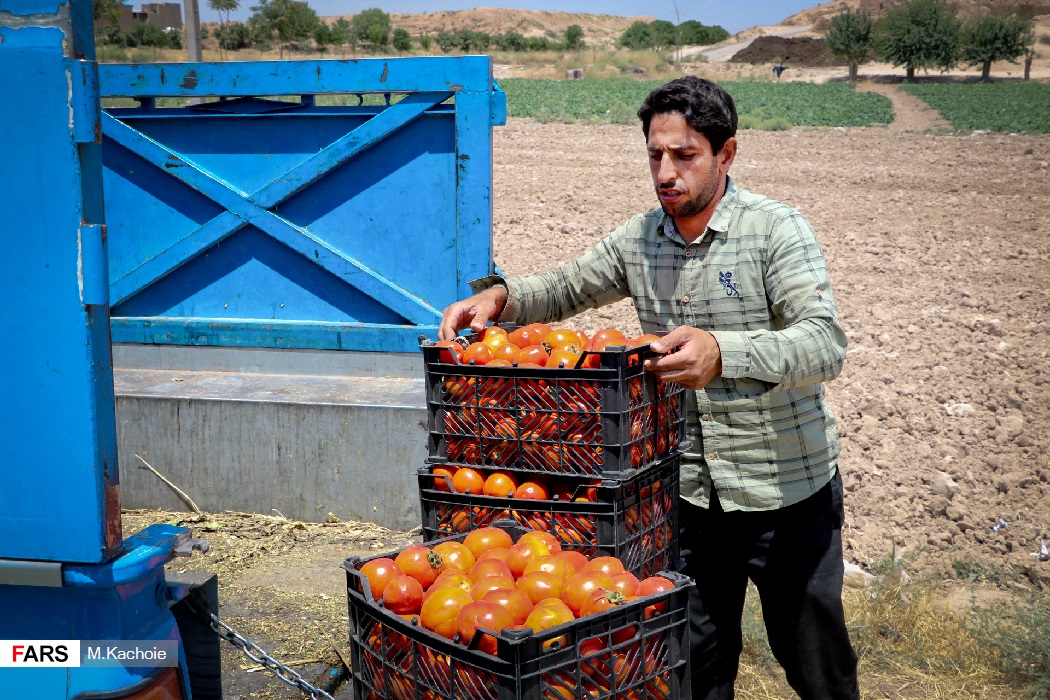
(790, 51)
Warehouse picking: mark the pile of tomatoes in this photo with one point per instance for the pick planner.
(488, 582)
(537, 345)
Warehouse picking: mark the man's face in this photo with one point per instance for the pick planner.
(689, 178)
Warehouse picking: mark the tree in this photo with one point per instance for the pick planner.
(574, 37)
(341, 31)
(220, 6)
(994, 38)
(850, 36)
(919, 34)
(106, 12)
(290, 20)
(694, 33)
(638, 36)
(325, 36)
(401, 40)
(425, 42)
(664, 34)
(372, 25)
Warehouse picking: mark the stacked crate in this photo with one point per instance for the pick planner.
(611, 434)
(611, 438)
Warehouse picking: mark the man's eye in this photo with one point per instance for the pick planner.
(686, 156)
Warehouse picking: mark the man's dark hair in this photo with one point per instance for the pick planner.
(706, 106)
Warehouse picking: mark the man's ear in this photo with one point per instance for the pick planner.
(727, 155)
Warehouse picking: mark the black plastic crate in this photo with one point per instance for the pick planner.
(643, 654)
(634, 519)
(604, 421)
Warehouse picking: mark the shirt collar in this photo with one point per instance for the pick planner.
(719, 220)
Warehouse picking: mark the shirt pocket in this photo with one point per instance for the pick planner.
(736, 298)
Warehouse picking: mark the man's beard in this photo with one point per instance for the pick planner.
(693, 206)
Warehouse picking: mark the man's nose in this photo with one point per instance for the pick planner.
(665, 172)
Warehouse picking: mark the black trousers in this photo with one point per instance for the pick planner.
(794, 557)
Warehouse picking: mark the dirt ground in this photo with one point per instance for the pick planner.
(940, 262)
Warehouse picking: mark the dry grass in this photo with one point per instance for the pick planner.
(276, 587)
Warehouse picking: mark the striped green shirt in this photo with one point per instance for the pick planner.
(762, 433)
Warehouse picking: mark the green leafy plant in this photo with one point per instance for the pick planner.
(1009, 107)
(994, 38)
(851, 36)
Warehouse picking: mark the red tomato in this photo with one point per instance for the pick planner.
(599, 601)
(574, 559)
(450, 350)
(500, 484)
(525, 336)
(608, 565)
(530, 490)
(500, 553)
(505, 353)
(607, 336)
(551, 542)
(552, 563)
(420, 563)
(562, 338)
(482, 540)
(440, 474)
(564, 358)
(476, 353)
(513, 601)
(540, 585)
(544, 617)
(454, 555)
(651, 586)
(492, 332)
(625, 582)
(579, 587)
(485, 615)
(490, 583)
(441, 610)
(642, 340)
(467, 480)
(533, 354)
(490, 567)
(403, 595)
(379, 573)
(450, 577)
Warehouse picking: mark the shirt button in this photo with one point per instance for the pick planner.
(688, 252)
(712, 455)
(686, 298)
(706, 416)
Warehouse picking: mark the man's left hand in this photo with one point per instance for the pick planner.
(697, 361)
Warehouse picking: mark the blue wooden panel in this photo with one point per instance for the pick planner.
(243, 215)
(58, 483)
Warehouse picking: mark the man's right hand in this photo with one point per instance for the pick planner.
(475, 312)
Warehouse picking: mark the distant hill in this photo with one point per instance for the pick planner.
(598, 29)
(819, 17)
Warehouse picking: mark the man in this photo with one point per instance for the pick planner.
(739, 282)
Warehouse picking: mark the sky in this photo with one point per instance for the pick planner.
(734, 16)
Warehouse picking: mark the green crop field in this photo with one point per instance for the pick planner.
(1012, 107)
(760, 105)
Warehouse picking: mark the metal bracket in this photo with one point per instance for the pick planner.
(83, 101)
(45, 574)
(185, 544)
(94, 271)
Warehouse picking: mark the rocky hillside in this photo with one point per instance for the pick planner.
(819, 17)
(598, 29)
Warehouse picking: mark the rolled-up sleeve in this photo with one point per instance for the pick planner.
(592, 280)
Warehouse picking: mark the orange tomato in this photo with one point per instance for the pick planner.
(454, 555)
(513, 600)
(500, 484)
(467, 480)
(484, 615)
(607, 565)
(562, 338)
(580, 586)
(483, 539)
(442, 477)
(477, 354)
(489, 567)
(440, 610)
(532, 491)
(564, 358)
(540, 585)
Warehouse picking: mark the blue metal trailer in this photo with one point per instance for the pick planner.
(314, 206)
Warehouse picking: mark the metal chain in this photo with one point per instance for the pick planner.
(252, 650)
